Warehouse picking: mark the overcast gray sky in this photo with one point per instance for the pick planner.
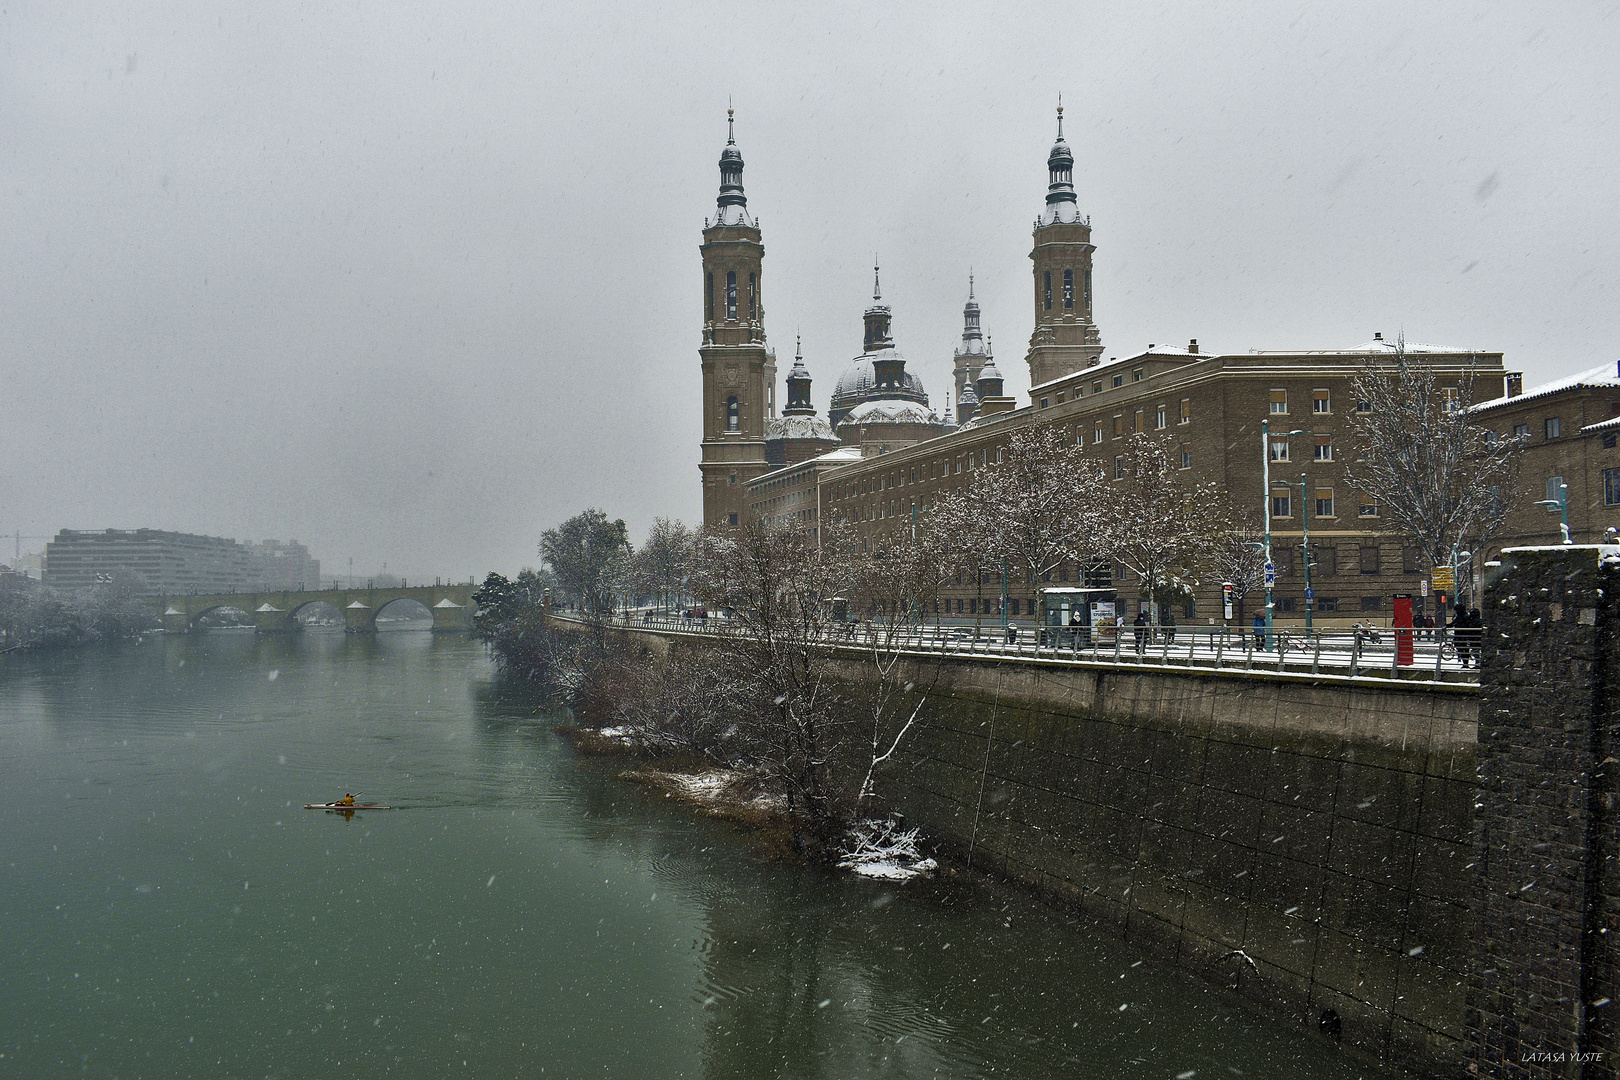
(412, 282)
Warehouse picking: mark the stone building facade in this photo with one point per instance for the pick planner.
(1212, 404)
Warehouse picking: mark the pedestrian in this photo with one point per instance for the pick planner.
(1168, 622)
(1471, 641)
(1259, 630)
(1141, 625)
(1457, 626)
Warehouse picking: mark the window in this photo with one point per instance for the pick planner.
(1136, 376)
(1409, 561)
(1279, 402)
(1326, 563)
(1279, 503)
(1324, 502)
(1372, 603)
(731, 413)
(1060, 398)
(1045, 402)
(1327, 603)
(1160, 419)
(1285, 604)
(1450, 398)
(708, 295)
(1119, 380)
(1119, 468)
(1096, 387)
(1521, 431)
(1363, 405)
(1555, 427)
(1608, 440)
(753, 304)
(1611, 487)
(1321, 402)
(1048, 282)
(1555, 492)
(1119, 427)
(1140, 423)
(1088, 288)
(1068, 288)
(1186, 411)
(1186, 455)
(1367, 509)
(1369, 560)
(1097, 435)
(731, 294)
(1324, 448)
(1279, 449)
(732, 519)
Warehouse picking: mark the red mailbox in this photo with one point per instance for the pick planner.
(1403, 628)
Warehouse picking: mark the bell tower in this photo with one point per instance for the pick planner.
(739, 371)
(1065, 339)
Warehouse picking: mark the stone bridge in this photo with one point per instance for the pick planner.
(276, 611)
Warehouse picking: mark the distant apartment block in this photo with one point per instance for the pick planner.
(177, 562)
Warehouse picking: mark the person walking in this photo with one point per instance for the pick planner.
(1471, 640)
(1141, 625)
(1167, 623)
(1259, 629)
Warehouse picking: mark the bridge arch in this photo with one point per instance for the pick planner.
(403, 609)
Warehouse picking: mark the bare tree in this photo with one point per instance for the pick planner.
(1433, 469)
(663, 561)
(1161, 524)
(1237, 556)
(1035, 509)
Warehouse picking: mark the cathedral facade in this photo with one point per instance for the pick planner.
(877, 406)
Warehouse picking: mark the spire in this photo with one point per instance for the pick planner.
(877, 317)
(1060, 200)
(798, 384)
(733, 204)
(972, 333)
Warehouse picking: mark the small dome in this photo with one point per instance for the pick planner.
(798, 427)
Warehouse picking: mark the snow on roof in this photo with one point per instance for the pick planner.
(1602, 375)
(1380, 345)
(1603, 425)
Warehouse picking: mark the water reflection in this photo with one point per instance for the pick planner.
(169, 909)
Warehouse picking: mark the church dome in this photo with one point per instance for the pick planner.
(890, 411)
(858, 383)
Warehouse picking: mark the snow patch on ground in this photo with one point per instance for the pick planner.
(884, 850)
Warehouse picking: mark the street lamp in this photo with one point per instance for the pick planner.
(1560, 504)
(1265, 509)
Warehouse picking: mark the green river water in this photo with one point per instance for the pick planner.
(169, 910)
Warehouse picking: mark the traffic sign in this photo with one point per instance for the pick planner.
(1271, 574)
(1310, 594)
(1443, 578)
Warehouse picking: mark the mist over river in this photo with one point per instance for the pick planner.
(169, 909)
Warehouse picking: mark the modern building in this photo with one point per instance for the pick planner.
(169, 562)
(278, 565)
(897, 457)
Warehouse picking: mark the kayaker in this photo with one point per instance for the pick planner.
(347, 800)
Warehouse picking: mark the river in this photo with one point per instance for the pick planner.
(169, 910)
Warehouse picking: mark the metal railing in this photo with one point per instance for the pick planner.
(1437, 655)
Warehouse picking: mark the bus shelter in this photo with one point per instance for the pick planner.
(1078, 617)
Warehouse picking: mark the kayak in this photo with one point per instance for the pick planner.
(340, 806)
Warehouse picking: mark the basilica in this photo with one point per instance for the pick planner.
(877, 406)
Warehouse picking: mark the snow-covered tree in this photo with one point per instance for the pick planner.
(1160, 524)
(586, 553)
(1035, 508)
(1237, 556)
(1426, 460)
(663, 561)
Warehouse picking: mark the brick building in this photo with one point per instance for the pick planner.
(1212, 404)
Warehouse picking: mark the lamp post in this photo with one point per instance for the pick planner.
(1560, 504)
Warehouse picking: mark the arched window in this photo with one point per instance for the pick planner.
(1048, 290)
(1088, 288)
(751, 294)
(1068, 288)
(708, 296)
(731, 413)
(731, 294)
